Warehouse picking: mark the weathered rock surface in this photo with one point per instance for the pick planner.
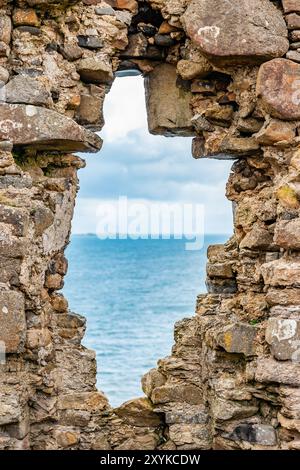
(12, 316)
(167, 105)
(44, 129)
(283, 335)
(26, 90)
(278, 88)
(237, 31)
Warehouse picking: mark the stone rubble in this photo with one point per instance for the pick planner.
(231, 80)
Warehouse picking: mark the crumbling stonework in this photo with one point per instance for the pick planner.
(231, 80)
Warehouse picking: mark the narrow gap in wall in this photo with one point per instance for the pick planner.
(133, 291)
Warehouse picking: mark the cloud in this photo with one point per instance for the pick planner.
(141, 166)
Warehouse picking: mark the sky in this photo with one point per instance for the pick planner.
(147, 169)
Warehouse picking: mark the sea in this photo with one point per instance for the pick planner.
(132, 292)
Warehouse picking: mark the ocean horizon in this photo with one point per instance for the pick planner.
(129, 290)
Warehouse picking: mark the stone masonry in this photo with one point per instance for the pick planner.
(226, 73)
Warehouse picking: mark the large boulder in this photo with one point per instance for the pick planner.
(278, 87)
(44, 129)
(237, 31)
(168, 106)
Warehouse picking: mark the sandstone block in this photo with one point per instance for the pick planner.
(281, 273)
(173, 393)
(12, 318)
(44, 129)
(83, 401)
(138, 412)
(291, 6)
(222, 270)
(287, 234)
(276, 131)
(293, 21)
(236, 32)
(189, 70)
(10, 411)
(26, 90)
(168, 107)
(190, 436)
(94, 70)
(283, 335)
(278, 87)
(238, 338)
(25, 17)
(283, 296)
(269, 370)
(5, 29)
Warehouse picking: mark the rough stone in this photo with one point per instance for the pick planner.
(278, 88)
(44, 129)
(287, 234)
(238, 338)
(92, 70)
(281, 273)
(167, 105)
(12, 315)
(26, 90)
(138, 412)
(283, 335)
(236, 32)
(272, 371)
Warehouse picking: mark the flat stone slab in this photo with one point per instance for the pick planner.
(44, 129)
(237, 31)
(278, 87)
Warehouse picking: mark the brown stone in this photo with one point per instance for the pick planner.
(269, 370)
(173, 393)
(12, 316)
(288, 197)
(283, 296)
(5, 29)
(138, 412)
(42, 128)
(238, 338)
(90, 112)
(94, 70)
(257, 239)
(275, 131)
(290, 6)
(236, 32)
(278, 87)
(198, 147)
(25, 17)
(88, 401)
(168, 107)
(293, 21)
(283, 335)
(287, 234)
(189, 70)
(130, 5)
(281, 273)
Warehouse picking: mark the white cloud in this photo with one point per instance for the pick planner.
(124, 108)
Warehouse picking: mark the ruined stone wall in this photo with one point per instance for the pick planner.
(225, 72)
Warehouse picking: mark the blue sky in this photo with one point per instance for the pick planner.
(147, 168)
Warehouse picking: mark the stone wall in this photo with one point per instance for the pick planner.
(225, 72)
